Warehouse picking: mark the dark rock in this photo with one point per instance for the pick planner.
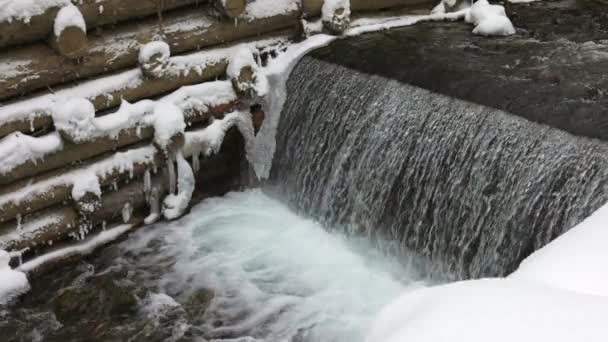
(100, 297)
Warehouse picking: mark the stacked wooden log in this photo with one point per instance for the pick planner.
(69, 168)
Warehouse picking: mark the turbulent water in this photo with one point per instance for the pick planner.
(240, 268)
(472, 189)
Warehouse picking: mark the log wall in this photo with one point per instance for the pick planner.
(37, 204)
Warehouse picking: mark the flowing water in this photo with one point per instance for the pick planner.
(471, 188)
(239, 268)
(367, 162)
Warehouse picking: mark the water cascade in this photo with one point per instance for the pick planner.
(472, 189)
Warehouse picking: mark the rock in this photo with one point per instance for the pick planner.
(98, 298)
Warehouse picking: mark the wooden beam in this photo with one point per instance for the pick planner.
(95, 13)
(72, 153)
(134, 87)
(38, 66)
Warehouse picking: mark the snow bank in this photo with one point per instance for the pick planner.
(489, 20)
(560, 293)
(576, 261)
(498, 310)
(68, 16)
(12, 283)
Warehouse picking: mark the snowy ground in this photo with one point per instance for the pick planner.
(559, 293)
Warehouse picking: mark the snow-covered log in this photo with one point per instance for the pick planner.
(313, 8)
(34, 113)
(37, 66)
(231, 8)
(69, 36)
(136, 193)
(26, 21)
(31, 195)
(72, 153)
(39, 229)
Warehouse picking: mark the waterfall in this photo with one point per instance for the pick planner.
(469, 188)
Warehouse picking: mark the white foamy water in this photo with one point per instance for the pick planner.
(276, 276)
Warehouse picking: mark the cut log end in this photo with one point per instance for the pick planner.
(71, 43)
(244, 83)
(154, 59)
(232, 8)
(339, 21)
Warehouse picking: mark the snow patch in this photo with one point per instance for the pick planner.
(168, 122)
(69, 16)
(18, 148)
(489, 20)
(498, 310)
(576, 261)
(87, 183)
(151, 49)
(85, 247)
(259, 9)
(75, 117)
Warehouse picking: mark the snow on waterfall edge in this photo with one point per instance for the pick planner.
(559, 293)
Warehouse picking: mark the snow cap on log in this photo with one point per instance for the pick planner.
(169, 127)
(336, 15)
(74, 118)
(153, 58)
(245, 75)
(231, 8)
(86, 193)
(69, 32)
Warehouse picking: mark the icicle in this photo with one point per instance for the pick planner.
(172, 177)
(127, 211)
(196, 164)
(103, 225)
(18, 221)
(154, 205)
(175, 205)
(147, 184)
